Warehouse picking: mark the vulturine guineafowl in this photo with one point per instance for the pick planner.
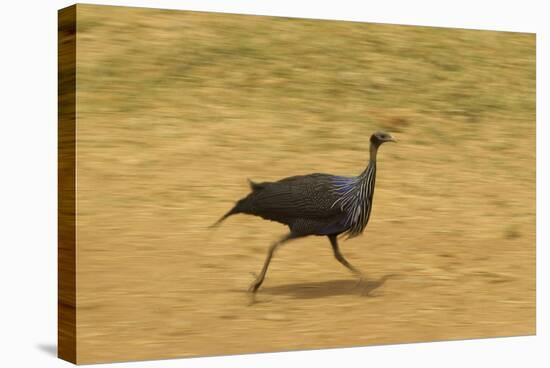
(315, 204)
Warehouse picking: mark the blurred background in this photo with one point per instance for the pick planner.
(175, 110)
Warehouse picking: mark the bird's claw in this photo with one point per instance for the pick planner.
(252, 288)
(255, 284)
(362, 282)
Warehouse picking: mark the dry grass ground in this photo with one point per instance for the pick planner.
(175, 110)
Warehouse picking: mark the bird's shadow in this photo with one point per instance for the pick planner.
(322, 289)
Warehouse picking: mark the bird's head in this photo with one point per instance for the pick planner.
(381, 137)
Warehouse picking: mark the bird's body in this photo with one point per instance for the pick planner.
(315, 204)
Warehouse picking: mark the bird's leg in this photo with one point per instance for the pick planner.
(260, 278)
(340, 258)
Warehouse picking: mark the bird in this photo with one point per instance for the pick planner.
(314, 204)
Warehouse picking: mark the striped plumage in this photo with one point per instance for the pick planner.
(315, 204)
(355, 199)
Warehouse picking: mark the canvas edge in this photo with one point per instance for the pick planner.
(66, 212)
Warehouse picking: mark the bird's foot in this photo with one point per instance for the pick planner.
(361, 283)
(255, 284)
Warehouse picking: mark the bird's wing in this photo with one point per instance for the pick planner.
(304, 196)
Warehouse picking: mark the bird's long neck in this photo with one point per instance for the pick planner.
(373, 152)
(370, 170)
(366, 185)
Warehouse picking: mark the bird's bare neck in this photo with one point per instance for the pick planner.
(370, 170)
(373, 153)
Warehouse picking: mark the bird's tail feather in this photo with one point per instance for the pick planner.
(241, 206)
(220, 220)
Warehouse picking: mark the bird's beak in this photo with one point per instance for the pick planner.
(392, 139)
